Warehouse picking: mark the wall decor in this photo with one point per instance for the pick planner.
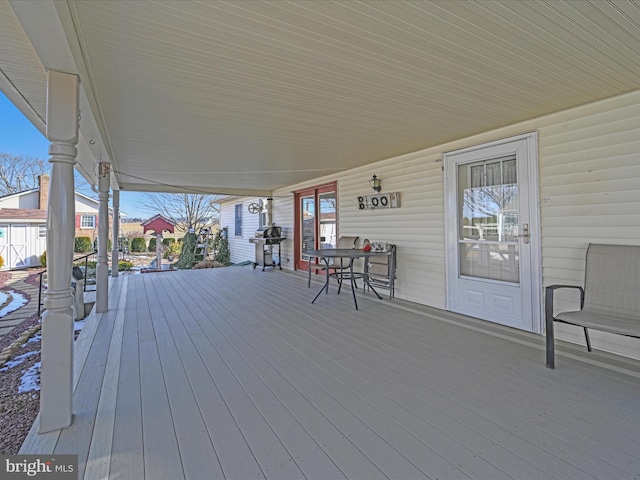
(380, 200)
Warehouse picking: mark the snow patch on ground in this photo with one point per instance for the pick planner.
(36, 338)
(17, 302)
(19, 360)
(30, 381)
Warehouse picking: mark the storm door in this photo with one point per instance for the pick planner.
(493, 268)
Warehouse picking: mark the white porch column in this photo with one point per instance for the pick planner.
(56, 378)
(115, 233)
(102, 268)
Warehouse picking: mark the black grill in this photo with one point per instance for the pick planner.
(273, 235)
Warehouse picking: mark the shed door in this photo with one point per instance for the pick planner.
(4, 244)
(18, 247)
(493, 268)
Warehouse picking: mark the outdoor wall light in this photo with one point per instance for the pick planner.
(375, 183)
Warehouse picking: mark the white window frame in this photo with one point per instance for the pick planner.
(238, 220)
(87, 221)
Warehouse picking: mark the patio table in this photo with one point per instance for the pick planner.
(325, 254)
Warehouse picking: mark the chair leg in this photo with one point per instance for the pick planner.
(551, 362)
(586, 335)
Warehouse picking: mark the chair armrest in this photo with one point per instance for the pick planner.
(548, 313)
(549, 292)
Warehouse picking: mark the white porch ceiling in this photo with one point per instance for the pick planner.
(246, 97)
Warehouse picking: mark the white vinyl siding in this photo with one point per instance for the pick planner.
(240, 248)
(416, 227)
(589, 172)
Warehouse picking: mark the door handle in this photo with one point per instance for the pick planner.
(525, 233)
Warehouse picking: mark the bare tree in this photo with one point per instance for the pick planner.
(20, 172)
(188, 210)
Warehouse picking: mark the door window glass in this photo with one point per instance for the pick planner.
(488, 219)
(327, 220)
(308, 224)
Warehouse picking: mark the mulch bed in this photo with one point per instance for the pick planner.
(17, 410)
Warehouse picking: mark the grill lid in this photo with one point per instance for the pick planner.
(273, 232)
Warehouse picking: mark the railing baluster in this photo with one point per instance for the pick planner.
(40, 293)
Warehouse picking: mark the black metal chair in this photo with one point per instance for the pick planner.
(610, 299)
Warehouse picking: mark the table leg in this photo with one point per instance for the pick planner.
(326, 282)
(353, 283)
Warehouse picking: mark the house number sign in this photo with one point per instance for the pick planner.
(380, 200)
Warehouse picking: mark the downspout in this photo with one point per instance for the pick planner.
(269, 211)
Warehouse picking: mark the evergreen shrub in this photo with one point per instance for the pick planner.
(221, 245)
(138, 244)
(124, 266)
(82, 245)
(187, 253)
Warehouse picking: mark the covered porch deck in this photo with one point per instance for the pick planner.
(232, 373)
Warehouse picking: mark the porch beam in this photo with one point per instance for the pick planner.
(56, 380)
(102, 267)
(115, 229)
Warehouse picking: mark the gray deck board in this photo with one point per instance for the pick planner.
(161, 451)
(371, 381)
(127, 455)
(191, 431)
(489, 398)
(232, 451)
(233, 373)
(383, 374)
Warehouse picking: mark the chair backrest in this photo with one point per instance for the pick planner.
(347, 242)
(612, 279)
(383, 265)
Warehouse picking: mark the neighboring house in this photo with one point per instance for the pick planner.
(461, 244)
(23, 217)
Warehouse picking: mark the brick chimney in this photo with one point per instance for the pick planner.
(43, 197)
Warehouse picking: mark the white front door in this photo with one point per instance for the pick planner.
(493, 260)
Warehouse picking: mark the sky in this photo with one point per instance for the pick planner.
(19, 137)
